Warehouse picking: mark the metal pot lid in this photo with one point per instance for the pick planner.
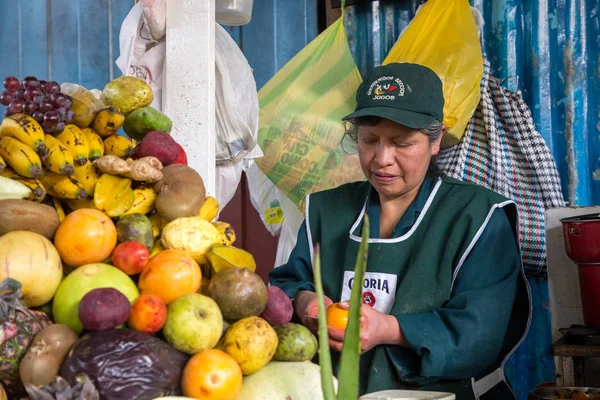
(582, 218)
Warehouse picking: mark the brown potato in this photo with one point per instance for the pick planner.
(181, 192)
(43, 359)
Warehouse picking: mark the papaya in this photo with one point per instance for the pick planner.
(144, 120)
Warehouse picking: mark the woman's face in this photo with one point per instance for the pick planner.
(394, 158)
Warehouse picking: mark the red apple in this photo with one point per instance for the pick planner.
(130, 257)
(181, 158)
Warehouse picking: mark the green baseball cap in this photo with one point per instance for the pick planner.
(409, 94)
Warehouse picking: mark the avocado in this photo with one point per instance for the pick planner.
(136, 227)
(146, 119)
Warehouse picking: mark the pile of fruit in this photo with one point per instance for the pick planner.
(116, 282)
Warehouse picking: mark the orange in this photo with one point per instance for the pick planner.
(86, 236)
(212, 375)
(148, 314)
(170, 274)
(337, 317)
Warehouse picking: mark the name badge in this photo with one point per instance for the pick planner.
(378, 289)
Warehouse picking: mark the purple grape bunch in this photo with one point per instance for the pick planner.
(42, 100)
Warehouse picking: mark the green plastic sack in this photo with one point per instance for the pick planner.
(444, 37)
(300, 127)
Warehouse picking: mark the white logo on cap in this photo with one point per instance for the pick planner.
(386, 88)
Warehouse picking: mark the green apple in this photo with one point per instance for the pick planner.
(194, 323)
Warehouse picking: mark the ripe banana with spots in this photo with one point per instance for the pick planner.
(74, 139)
(108, 121)
(38, 192)
(95, 143)
(120, 146)
(87, 176)
(25, 129)
(209, 209)
(62, 187)
(2, 164)
(58, 158)
(21, 158)
(59, 209)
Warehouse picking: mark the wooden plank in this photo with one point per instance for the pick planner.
(64, 41)
(9, 41)
(560, 348)
(94, 58)
(34, 39)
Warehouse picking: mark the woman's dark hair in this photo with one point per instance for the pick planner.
(350, 138)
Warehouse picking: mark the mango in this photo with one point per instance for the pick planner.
(146, 119)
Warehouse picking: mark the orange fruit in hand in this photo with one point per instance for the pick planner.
(337, 317)
(212, 375)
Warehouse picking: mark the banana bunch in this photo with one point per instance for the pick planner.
(62, 186)
(25, 129)
(108, 121)
(87, 176)
(119, 146)
(74, 140)
(37, 192)
(58, 158)
(20, 157)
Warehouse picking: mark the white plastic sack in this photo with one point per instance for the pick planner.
(236, 101)
(265, 197)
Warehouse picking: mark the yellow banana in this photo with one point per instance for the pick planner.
(226, 233)
(95, 143)
(120, 146)
(209, 209)
(62, 186)
(2, 164)
(38, 193)
(143, 200)
(76, 142)
(26, 129)
(22, 158)
(58, 159)
(59, 209)
(87, 176)
(108, 121)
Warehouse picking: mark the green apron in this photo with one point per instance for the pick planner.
(410, 274)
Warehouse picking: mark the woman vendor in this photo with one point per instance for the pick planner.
(444, 298)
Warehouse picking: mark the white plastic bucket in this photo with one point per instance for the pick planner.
(233, 12)
(408, 395)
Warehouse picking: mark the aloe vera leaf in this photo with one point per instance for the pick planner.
(324, 354)
(348, 376)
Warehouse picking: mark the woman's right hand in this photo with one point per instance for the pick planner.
(307, 308)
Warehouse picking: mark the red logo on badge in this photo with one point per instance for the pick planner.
(369, 299)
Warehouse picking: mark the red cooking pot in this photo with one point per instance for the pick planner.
(582, 243)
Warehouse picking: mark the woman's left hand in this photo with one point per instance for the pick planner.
(376, 329)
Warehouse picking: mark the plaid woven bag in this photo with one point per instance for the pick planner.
(502, 150)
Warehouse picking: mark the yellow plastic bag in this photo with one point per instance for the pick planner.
(444, 37)
(300, 127)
